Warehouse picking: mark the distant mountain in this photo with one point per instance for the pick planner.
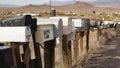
(59, 3)
(76, 7)
(106, 3)
(8, 5)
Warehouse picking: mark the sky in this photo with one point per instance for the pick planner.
(25, 2)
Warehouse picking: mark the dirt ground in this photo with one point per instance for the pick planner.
(107, 56)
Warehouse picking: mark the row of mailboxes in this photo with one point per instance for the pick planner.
(18, 29)
(81, 24)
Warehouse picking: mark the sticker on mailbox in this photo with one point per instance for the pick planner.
(48, 33)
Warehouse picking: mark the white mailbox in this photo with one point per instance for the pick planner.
(44, 33)
(58, 25)
(77, 22)
(15, 34)
(68, 26)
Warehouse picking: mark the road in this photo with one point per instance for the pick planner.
(108, 56)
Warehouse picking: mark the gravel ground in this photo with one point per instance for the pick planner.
(108, 56)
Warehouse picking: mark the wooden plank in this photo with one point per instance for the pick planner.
(65, 52)
(49, 54)
(76, 48)
(26, 58)
(38, 61)
(81, 42)
(17, 54)
(14, 56)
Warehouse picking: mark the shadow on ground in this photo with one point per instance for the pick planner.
(108, 56)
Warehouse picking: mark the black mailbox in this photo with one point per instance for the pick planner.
(6, 57)
(25, 20)
(86, 23)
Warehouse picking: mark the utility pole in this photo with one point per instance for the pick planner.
(50, 7)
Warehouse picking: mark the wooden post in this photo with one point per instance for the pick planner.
(17, 54)
(76, 48)
(98, 34)
(38, 61)
(70, 54)
(49, 54)
(26, 56)
(81, 42)
(65, 52)
(14, 56)
(87, 40)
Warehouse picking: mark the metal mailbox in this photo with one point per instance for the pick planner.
(15, 34)
(86, 23)
(17, 21)
(45, 32)
(68, 26)
(58, 25)
(78, 24)
(17, 29)
(81, 24)
(94, 23)
(25, 20)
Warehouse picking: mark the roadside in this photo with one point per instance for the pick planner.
(108, 56)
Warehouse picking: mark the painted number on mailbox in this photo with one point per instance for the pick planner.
(48, 33)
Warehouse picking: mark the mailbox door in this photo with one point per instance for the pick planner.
(58, 25)
(44, 33)
(15, 34)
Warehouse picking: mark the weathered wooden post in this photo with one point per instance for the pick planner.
(68, 35)
(50, 45)
(87, 27)
(96, 25)
(82, 28)
(45, 34)
(78, 25)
